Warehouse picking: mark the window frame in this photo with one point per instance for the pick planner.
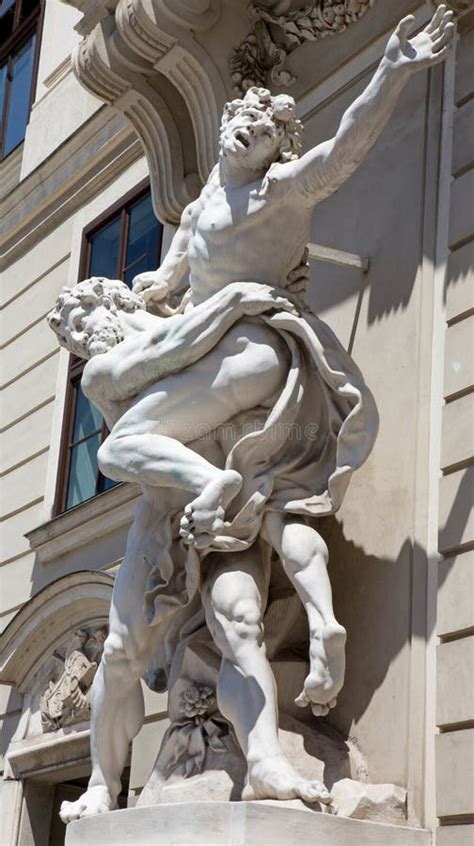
(76, 365)
(15, 41)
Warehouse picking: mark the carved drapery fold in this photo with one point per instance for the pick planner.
(276, 31)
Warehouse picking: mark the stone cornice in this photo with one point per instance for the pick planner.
(84, 523)
(90, 159)
(142, 58)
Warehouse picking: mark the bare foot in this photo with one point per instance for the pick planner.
(327, 666)
(275, 778)
(96, 800)
(204, 517)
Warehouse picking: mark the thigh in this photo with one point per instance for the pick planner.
(127, 622)
(244, 370)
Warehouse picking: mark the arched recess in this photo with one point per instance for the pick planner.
(79, 599)
(128, 60)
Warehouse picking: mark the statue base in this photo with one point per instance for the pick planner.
(235, 824)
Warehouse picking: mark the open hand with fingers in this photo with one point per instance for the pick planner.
(428, 47)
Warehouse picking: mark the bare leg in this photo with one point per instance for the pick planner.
(148, 444)
(234, 597)
(117, 709)
(304, 556)
(164, 462)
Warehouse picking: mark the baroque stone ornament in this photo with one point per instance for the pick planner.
(243, 418)
(460, 7)
(67, 699)
(276, 30)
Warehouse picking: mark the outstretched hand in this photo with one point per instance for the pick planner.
(428, 47)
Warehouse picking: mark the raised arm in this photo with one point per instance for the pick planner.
(322, 170)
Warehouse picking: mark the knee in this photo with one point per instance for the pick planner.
(236, 625)
(301, 545)
(108, 458)
(122, 659)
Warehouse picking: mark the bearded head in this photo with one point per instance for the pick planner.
(86, 318)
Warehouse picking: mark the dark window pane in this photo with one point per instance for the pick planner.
(86, 417)
(148, 262)
(7, 13)
(83, 471)
(6, 6)
(143, 232)
(20, 93)
(105, 484)
(27, 8)
(105, 251)
(3, 79)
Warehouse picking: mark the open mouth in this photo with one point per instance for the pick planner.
(242, 138)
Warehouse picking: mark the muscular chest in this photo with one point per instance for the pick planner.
(229, 212)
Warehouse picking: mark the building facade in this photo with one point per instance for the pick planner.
(110, 122)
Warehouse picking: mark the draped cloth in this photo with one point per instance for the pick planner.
(297, 459)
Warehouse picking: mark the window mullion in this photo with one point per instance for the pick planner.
(16, 14)
(6, 102)
(66, 456)
(123, 243)
(100, 475)
(85, 438)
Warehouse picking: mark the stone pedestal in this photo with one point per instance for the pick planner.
(234, 824)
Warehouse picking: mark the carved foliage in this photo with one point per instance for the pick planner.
(200, 728)
(458, 6)
(66, 699)
(275, 32)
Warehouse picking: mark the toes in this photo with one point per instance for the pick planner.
(188, 509)
(188, 538)
(70, 811)
(319, 710)
(315, 791)
(302, 700)
(248, 793)
(333, 702)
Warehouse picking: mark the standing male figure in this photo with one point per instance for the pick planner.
(239, 351)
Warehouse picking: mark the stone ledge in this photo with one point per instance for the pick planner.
(234, 824)
(84, 522)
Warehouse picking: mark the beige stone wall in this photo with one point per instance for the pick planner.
(455, 619)
(68, 178)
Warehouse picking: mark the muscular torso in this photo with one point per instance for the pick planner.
(245, 234)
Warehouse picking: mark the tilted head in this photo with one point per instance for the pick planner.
(86, 318)
(260, 129)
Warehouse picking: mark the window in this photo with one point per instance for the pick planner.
(20, 24)
(121, 244)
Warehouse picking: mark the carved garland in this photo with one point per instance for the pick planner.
(275, 33)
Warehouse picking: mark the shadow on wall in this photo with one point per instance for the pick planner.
(367, 590)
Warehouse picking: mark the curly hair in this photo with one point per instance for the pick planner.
(281, 110)
(113, 294)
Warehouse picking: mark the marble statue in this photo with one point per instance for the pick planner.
(243, 418)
